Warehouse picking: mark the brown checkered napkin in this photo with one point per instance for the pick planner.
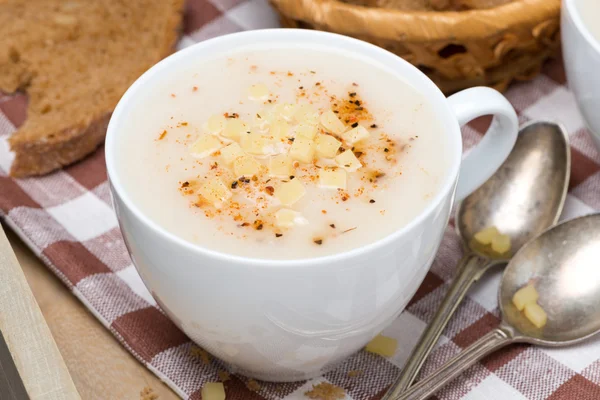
(67, 220)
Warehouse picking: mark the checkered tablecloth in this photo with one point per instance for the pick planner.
(67, 220)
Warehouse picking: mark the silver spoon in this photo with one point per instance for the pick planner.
(522, 199)
(562, 264)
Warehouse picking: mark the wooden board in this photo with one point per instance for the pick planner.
(100, 367)
(35, 354)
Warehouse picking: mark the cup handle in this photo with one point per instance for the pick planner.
(485, 158)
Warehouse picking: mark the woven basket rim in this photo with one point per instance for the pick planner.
(420, 25)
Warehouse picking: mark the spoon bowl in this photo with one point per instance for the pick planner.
(522, 198)
(562, 265)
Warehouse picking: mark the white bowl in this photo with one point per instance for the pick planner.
(581, 53)
(294, 319)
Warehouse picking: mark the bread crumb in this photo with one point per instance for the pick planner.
(147, 393)
(224, 376)
(279, 388)
(198, 352)
(253, 385)
(354, 373)
(326, 391)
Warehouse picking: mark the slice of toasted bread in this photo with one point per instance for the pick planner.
(75, 59)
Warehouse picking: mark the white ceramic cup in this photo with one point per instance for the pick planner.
(581, 53)
(294, 319)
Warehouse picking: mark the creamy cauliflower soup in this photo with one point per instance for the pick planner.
(283, 154)
(590, 14)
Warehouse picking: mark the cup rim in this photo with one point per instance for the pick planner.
(451, 126)
(573, 13)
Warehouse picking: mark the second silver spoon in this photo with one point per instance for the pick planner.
(562, 265)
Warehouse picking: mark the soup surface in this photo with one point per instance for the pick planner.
(590, 14)
(282, 154)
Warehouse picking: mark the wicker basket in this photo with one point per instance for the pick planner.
(456, 49)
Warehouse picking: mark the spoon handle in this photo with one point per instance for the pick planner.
(470, 268)
(492, 341)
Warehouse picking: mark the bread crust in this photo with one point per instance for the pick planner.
(43, 156)
(55, 150)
